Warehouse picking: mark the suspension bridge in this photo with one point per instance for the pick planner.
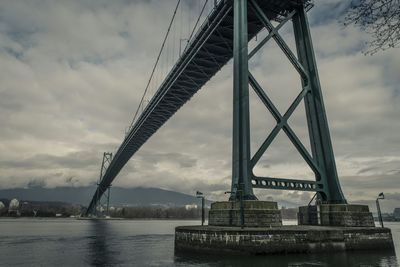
(218, 32)
(224, 33)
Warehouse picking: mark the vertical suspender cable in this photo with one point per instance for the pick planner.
(197, 22)
(155, 65)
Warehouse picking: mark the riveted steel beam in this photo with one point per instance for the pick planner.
(284, 184)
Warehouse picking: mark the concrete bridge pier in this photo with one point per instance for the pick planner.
(323, 228)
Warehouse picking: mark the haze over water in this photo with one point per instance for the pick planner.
(69, 242)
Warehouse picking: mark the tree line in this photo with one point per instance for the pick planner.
(145, 212)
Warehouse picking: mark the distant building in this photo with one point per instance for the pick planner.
(13, 208)
(14, 204)
(191, 206)
(396, 214)
(2, 206)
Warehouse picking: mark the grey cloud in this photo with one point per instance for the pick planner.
(392, 196)
(185, 161)
(36, 183)
(75, 160)
(73, 72)
(390, 165)
(326, 11)
(371, 184)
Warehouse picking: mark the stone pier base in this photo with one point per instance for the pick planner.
(256, 213)
(347, 215)
(284, 239)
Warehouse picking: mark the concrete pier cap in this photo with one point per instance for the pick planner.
(256, 213)
(347, 215)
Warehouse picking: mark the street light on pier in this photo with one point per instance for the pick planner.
(200, 195)
(378, 207)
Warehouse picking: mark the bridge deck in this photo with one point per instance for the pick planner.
(210, 49)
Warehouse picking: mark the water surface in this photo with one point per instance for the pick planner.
(70, 242)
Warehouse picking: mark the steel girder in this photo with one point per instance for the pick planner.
(210, 49)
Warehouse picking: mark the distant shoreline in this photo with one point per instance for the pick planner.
(102, 219)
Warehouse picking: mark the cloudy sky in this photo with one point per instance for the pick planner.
(72, 74)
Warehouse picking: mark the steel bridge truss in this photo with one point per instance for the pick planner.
(322, 160)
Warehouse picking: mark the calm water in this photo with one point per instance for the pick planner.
(68, 242)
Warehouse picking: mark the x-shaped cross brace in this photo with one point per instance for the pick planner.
(281, 120)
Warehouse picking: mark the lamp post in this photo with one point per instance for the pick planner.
(378, 207)
(200, 195)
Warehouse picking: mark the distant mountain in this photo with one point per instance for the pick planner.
(137, 196)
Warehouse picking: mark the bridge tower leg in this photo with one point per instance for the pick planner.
(107, 158)
(241, 175)
(320, 139)
(108, 200)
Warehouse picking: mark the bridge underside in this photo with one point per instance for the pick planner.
(209, 50)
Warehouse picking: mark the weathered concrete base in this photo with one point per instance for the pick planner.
(336, 215)
(256, 213)
(284, 239)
